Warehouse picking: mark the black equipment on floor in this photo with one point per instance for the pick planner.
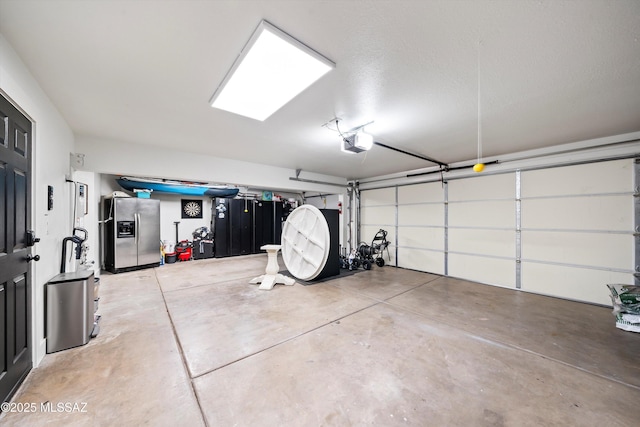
(374, 253)
(202, 243)
(366, 254)
(355, 260)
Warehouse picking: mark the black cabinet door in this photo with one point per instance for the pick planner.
(241, 222)
(235, 208)
(332, 267)
(263, 220)
(245, 228)
(277, 222)
(222, 228)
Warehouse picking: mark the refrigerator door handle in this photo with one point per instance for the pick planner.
(136, 217)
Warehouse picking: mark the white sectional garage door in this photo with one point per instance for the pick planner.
(421, 227)
(378, 211)
(482, 224)
(565, 231)
(577, 229)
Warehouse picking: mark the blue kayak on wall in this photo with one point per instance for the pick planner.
(175, 187)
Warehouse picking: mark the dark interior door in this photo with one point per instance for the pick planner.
(15, 279)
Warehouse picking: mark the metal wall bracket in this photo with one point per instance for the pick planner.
(397, 227)
(445, 187)
(636, 218)
(518, 230)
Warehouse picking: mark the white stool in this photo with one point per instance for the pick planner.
(271, 276)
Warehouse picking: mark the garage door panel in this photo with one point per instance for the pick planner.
(579, 284)
(381, 215)
(499, 214)
(492, 271)
(424, 214)
(482, 188)
(577, 224)
(430, 192)
(594, 249)
(485, 242)
(421, 260)
(592, 178)
(613, 213)
(382, 196)
(421, 237)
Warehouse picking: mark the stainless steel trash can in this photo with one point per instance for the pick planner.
(70, 308)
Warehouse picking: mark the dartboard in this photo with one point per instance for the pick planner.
(192, 209)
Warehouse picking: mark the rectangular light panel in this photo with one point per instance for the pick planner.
(271, 70)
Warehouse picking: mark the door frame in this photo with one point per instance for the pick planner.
(38, 341)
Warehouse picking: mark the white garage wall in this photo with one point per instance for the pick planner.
(333, 201)
(171, 211)
(89, 221)
(52, 143)
(124, 158)
(565, 231)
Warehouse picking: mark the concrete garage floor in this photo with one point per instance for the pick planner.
(194, 344)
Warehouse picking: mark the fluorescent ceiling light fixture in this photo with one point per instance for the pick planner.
(270, 71)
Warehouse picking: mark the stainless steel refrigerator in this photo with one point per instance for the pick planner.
(131, 233)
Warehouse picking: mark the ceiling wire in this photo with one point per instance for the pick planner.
(338, 129)
(326, 125)
(479, 115)
(364, 157)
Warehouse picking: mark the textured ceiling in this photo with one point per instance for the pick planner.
(551, 72)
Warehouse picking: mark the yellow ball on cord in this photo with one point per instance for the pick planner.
(478, 167)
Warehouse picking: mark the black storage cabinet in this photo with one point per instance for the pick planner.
(242, 227)
(332, 267)
(222, 228)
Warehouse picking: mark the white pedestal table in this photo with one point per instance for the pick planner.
(272, 277)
